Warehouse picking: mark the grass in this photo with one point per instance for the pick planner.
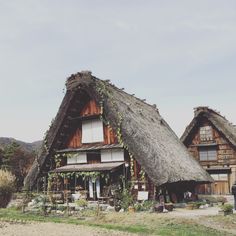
(138, 223)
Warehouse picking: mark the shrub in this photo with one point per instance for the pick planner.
(7, 187)
(144, 206)
(227, 207)
(126, 199)
(81, 203)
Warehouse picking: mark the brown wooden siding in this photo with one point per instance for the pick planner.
(76, 138)
(225, 152)
(91, 108)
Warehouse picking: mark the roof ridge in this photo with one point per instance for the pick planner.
(199, 109)
(154, 106)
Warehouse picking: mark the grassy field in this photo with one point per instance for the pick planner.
(139, 223)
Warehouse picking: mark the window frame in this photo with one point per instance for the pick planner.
(76, 157)
(89, 130)
(110, 153)
(208, 150)
(206, 133)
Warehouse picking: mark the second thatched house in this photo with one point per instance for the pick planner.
(102, 136)
(211, 139)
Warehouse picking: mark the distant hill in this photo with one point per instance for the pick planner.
(29, 147)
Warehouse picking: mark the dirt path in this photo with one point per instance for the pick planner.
(200, 216)
(53, 229)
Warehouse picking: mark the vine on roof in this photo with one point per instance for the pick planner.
(105, 93)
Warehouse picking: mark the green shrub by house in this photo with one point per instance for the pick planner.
(227, 207)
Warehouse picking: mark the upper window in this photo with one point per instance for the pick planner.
(112, 155)
(208, 154)
(206, 133)
(92, 131)
(77, 158)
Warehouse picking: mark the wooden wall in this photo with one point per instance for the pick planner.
(225, 152)
(226, 156)
(91, 108)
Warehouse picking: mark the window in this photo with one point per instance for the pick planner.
(206, 133)
(208, 154)
(92, 131)
(112, 155)
(77, 158)
(220, 177)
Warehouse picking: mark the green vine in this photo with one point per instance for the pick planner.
(105, 93)
(142, 175)
(85, 175)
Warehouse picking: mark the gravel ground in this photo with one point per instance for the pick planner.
(53, 229)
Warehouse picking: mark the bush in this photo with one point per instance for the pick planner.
(126, 199)
(7, 187)
(81, 203)
(144, 206)
(227, 207)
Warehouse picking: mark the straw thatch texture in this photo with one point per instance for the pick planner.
(220, 122)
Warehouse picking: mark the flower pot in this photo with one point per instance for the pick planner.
(169, 206)
(158, 208)
(117, 208)
(228, 213)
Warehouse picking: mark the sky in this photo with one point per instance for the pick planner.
(176, 54)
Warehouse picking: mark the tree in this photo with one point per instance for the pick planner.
(1, 156)
(18, 161)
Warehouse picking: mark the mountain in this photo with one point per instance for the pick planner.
(29, 147)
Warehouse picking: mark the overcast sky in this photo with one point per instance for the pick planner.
(177, 54)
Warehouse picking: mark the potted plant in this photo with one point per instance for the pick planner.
(227, 209)
(169, 206)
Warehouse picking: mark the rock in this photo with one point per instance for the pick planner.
(165, 210)
(110, 209)
(60, 212)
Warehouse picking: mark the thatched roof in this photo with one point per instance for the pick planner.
(145, 134)
(219, 122)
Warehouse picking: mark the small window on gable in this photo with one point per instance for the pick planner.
(112, 155)
(208, 154)
(77, 158)
(92, 131)
(206, 133)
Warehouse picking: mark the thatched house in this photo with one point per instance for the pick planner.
(211, 139)
(101, 133)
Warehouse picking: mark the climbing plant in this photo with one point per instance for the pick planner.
(105, 93)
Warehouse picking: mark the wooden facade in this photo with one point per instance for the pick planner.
(213, 150)
(91, 111)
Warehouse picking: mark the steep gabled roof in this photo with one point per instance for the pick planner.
(145, 134)
(220, 122)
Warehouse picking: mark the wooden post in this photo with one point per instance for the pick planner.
(75, 182)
